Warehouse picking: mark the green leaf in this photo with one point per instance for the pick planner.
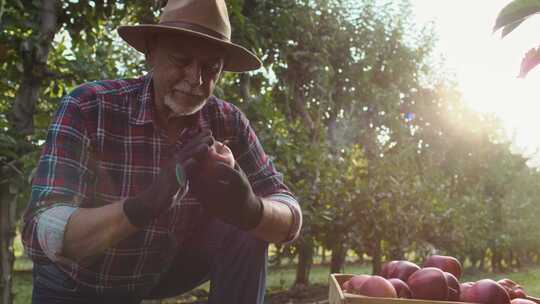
(509, 28)
(516, 12)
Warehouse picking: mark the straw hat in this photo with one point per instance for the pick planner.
(205, 19)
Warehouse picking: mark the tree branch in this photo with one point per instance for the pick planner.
(35, 52)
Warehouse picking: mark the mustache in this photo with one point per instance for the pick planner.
(187, 89)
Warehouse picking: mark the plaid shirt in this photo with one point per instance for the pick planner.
(102, 147)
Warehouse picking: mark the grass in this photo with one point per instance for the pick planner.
(282, 278)
(22, 287)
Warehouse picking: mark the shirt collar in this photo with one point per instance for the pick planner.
(143, 110)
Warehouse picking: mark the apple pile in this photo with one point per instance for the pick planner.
(436, 280)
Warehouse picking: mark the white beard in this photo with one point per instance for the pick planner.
(181, 110)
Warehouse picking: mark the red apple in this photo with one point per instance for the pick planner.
(509, 285)
(520, 293)
(514, 289)
(345, 287)
(387, 268)
(428, 284)
(402, 289)
(377, 286)
(445, 263)
(402, 270)
(507, 282)
(522, 301)
(220, 152)
(356, 282)
(453, 287)
(463, 287)
(486, 291)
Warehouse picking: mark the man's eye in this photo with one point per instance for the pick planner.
(180, 61)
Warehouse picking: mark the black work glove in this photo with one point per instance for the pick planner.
(226, 193)
(146, 206)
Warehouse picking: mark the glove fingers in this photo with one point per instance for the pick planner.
(228, 175)
(198, 149)
(200, 137)
(197, 182)
(208, 140)
(191, 168)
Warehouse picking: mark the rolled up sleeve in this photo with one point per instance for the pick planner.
(296, 212)
(51, 225)
(60, 183)
(265, 179)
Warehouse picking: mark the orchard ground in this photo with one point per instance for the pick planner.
(280, 279)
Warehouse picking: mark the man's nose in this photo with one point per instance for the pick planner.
(194, 74)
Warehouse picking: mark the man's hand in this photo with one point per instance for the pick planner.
(140, 210)
(227, 194)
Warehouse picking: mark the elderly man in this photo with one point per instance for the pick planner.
(148, 187)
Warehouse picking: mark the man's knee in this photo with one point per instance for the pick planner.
(241, 241)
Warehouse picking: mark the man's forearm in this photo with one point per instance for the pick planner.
(90, 231)
(276, 222)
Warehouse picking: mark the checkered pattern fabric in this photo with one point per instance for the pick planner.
(103, 147)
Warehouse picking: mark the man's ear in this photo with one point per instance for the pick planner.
(149, 52)
(220, 75)
(148, 59)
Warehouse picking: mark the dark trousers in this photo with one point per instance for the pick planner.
(233, 260)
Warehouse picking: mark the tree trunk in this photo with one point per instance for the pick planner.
(7, 233)
(474, 262)
(494, 268)
(518, 259)
(305, 260)
(396, 253)
(278, 256)
(2, 9)
(482, 261)
(496, 261)
(377, 256)
(245, 84)
(323, 255)
(510, 261)
(530, 257)
(34, 54)
(339, 253)
(360, 259)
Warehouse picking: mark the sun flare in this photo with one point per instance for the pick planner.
(486, 66)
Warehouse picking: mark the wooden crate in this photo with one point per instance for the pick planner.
(337, 296)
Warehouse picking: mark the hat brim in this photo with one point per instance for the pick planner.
(237, 58)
